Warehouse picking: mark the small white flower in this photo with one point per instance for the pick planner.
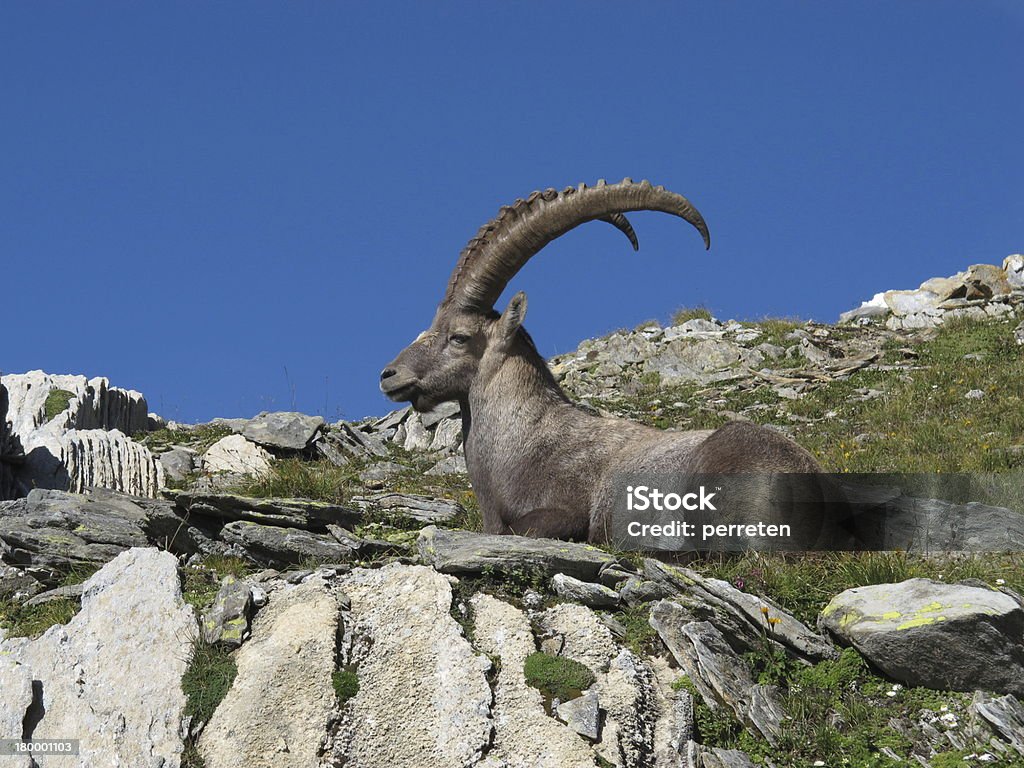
(1000, 582)
(944, 708)
(819, 763)
(890, 694)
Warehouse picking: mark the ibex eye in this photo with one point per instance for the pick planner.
(458, 338)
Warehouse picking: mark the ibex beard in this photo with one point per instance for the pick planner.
(540, 465)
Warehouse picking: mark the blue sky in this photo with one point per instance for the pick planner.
(234, 207)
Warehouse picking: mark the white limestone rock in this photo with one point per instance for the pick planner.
(277, 713)
(124, 705)
(236, 455)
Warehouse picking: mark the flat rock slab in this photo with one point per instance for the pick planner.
(287, 430)
(125, 706)
(277, 713)
(423, 699)
(294, 513)
(59, 529)
(466, 552)
(274, 545)
(424, 509)
(957, 637)
(236, 455)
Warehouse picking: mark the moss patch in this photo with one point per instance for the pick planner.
(57, 402)
(346, 684)
(557, 677)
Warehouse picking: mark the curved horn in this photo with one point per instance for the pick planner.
(622, 224)
(506, 243)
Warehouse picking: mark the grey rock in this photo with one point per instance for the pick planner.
(703, 360)
(449, 410)
(392, 420)
(773, 351)
(637, 590)
(227, 619)
(1018, 333)
(292, 513)
(717, 757)
(975, 394)
(93, 680)
(583, 715)
(178, 463)
(16, 583)
(447, 435)
(279, 708)
(1004, 714)
(54, 529)
(718, 673)
(363, 546)
(587, 593)
(381, 472)
(424, 509)
(739, 615)
(346, 441)
(69, 592)
(284, 429)
(275, 546)
(453, 465)
(466, 552)
(432, 710)
(236, 455)
(926, 633)
(612, 576)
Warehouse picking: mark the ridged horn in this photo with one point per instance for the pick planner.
(504, 244)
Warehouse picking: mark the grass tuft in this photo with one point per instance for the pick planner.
(57, 402)
(557, 677)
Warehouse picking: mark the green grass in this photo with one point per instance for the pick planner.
(57, 402)
(319, 480)
(923, 422)
(640, 637)
(198, 438)
(20, 621)
(803, 584)
(200, 583)
(683, 314)
(346, 684)
(557, 677)
(206, 682)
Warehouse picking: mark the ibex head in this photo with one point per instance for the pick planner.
(467, 335)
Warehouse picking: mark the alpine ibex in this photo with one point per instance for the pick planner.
(539, 464)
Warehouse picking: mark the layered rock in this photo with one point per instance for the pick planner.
(87, 442)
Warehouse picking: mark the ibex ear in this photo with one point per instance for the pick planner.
(512, 317)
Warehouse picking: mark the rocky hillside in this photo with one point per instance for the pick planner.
(279, 591)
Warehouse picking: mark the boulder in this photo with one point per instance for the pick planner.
(94, 684)
(285, 430)
(236, 455)
(277, 712)
(227, 619)
(467, 552)
(922, 632)
(585, 592)
(582, 714)
(447, 435)
(431, 710)
(423, 509)
(452, 465)
(178, 464)
(276, 546)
